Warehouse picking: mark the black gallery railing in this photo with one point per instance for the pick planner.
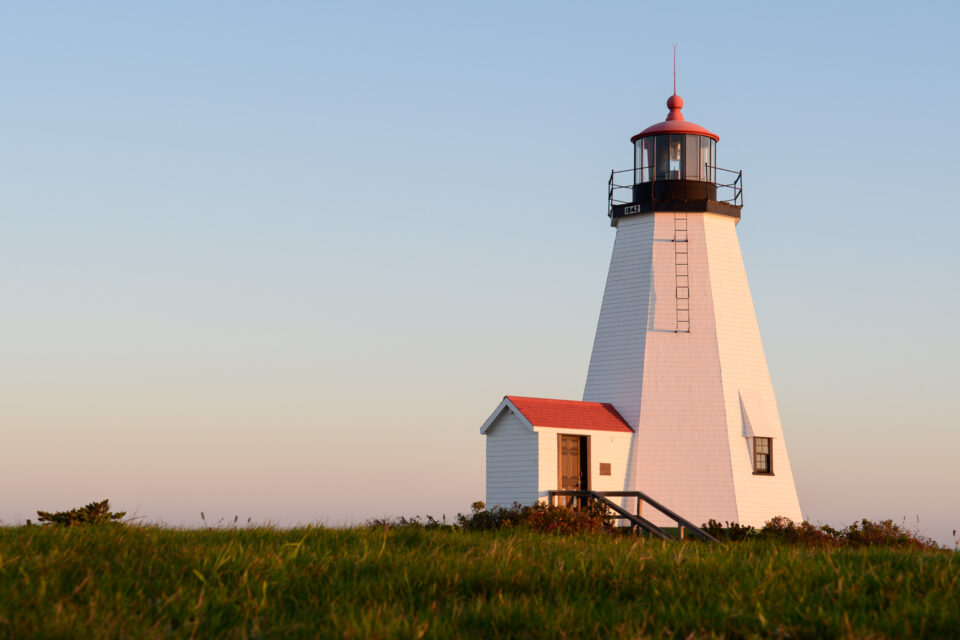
(620, 188)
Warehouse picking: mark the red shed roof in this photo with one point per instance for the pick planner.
(570, 414)
(675, 123)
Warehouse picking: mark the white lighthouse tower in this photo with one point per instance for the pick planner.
(677, 350)
(678, 404)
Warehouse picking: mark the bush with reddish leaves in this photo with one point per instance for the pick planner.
(543, 518)
(589, 518)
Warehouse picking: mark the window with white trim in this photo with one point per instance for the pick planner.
(763, 456)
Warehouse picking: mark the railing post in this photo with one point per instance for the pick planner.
(610, 194)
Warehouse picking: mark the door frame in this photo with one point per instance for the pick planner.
(584, 459)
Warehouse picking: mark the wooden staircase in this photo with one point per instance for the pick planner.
(684, 526)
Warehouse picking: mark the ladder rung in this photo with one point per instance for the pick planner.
(681, 271)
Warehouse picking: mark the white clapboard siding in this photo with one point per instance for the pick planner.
(512, 469)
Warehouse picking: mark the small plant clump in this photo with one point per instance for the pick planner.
(483, 519)
(416, 522)
(93, 513)
(731, 531)
(865, 533)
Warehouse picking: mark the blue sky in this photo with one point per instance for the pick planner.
(255, 254)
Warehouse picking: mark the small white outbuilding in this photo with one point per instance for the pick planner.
(537, 445)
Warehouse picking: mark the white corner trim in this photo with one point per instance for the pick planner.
(505, 405)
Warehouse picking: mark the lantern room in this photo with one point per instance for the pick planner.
(674, 169)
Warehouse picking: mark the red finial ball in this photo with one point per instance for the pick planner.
(675, 103)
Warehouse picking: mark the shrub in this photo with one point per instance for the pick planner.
(883, 534)
(481, 518)
(783, 529)
(93, 513)
(416, 522)
(733, 531)
(865, 533)
(589, 518)
(540, 517)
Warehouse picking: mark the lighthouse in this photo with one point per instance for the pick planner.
(677, 349)
(678, 404)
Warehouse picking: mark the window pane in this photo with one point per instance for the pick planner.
(676, 147)
(691, 158)
(636, 162)
(705, 158)
(713, 160)
(647, 160)
(662, 155)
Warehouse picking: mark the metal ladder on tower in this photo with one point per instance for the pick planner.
(682, 271)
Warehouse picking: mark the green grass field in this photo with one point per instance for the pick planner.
(149, 582)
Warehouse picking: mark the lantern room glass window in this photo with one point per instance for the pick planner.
(661, 164)
(675, 170)
(691, 158)
(647, 153)
(707, 159)
(675, 157)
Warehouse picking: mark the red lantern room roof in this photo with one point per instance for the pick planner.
(674, 123)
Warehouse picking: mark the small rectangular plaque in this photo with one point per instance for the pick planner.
(604, 468)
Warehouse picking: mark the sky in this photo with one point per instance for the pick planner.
(279, 261)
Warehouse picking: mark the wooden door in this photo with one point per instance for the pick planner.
(572, 465)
